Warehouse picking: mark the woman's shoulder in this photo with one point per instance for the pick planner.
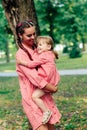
(20, 52)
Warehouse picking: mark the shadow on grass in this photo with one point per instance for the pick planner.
(4, 92)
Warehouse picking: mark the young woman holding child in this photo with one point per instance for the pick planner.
(35, 88)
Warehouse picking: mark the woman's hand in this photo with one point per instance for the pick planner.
(55, 89)
(51, 88)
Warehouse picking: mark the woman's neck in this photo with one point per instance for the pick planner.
(27, 46)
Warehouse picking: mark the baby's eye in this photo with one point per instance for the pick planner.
(39, 44)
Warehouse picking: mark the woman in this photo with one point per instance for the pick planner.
(29, 80)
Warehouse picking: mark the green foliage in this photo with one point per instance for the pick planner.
(73, 20)
(75, 52)
(3, 23)
(65, 49)
(5, 34)
(63, 19)
(47, 17)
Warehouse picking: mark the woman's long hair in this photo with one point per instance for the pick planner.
(20, 30)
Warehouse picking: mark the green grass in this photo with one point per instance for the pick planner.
(64, 62)
(12, 116)
(7, 67)
(71, 99)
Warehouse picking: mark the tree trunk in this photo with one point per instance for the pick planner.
(84, 48)
(20, 10)
(7, 52)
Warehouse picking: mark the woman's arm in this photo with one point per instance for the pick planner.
(33, 63)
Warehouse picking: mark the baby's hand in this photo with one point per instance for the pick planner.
(19, 62)
(22, 62)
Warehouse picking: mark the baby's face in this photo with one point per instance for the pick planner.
(42, 46)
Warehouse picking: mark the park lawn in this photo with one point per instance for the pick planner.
(7, 67)
(71, 99)
(64, 62)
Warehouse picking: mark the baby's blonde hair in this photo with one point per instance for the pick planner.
(49, 41)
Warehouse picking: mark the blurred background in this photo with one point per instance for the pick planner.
(66, 22)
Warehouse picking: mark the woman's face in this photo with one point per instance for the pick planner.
(29, 36)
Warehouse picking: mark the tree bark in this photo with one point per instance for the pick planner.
(7, 52)
(20, 10)
(17, 11)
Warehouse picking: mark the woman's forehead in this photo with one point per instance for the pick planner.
(29, 30)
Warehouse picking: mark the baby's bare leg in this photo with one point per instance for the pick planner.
(36, 96)
(38, 93)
